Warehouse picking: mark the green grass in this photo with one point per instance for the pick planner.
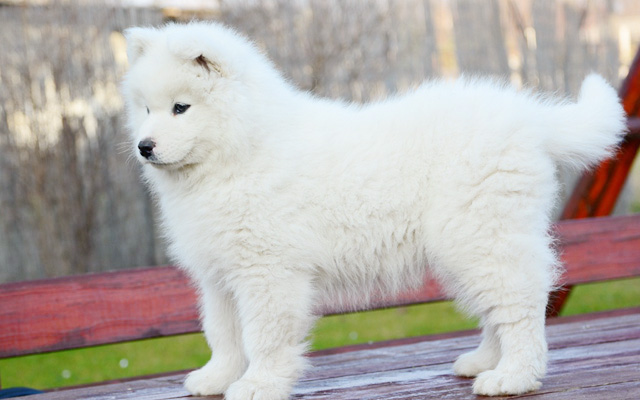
(100, 363)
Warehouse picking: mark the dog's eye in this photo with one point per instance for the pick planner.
(180, 108)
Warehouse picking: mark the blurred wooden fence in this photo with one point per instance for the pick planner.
(70, 198)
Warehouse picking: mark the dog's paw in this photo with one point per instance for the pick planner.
(496, 382)
(246, 389)
(209, 380)
(474, 362)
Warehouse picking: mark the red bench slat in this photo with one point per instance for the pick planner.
(92, 309)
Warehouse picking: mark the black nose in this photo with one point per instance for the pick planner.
(146, 148)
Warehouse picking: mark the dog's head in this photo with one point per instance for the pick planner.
(189, 93)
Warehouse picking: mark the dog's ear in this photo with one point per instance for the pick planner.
(190, 46)
(208, 65)
(138, 40)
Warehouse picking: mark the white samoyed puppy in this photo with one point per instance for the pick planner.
(273, 200)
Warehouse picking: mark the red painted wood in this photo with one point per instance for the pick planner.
(630, 89)
(88, 310)
(92, 309)
(598, 249)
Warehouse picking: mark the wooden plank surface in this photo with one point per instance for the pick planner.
(94, 309)
(590, 358)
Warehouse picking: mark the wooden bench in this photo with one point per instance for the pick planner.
(590, 356)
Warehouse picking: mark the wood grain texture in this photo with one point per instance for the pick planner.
(92, 309)
(590, 359)
(88, 310)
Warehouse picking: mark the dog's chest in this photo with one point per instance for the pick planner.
(201, 227)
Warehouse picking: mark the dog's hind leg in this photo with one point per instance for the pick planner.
(512, 297)
(519, 329)
(494, 254)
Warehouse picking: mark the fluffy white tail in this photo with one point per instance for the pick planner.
(590, 130)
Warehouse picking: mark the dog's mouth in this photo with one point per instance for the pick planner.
(158, 162)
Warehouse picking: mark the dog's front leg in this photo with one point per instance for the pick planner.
(274, 306)
(222, 330)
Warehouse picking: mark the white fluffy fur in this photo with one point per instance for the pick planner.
(273, 199)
